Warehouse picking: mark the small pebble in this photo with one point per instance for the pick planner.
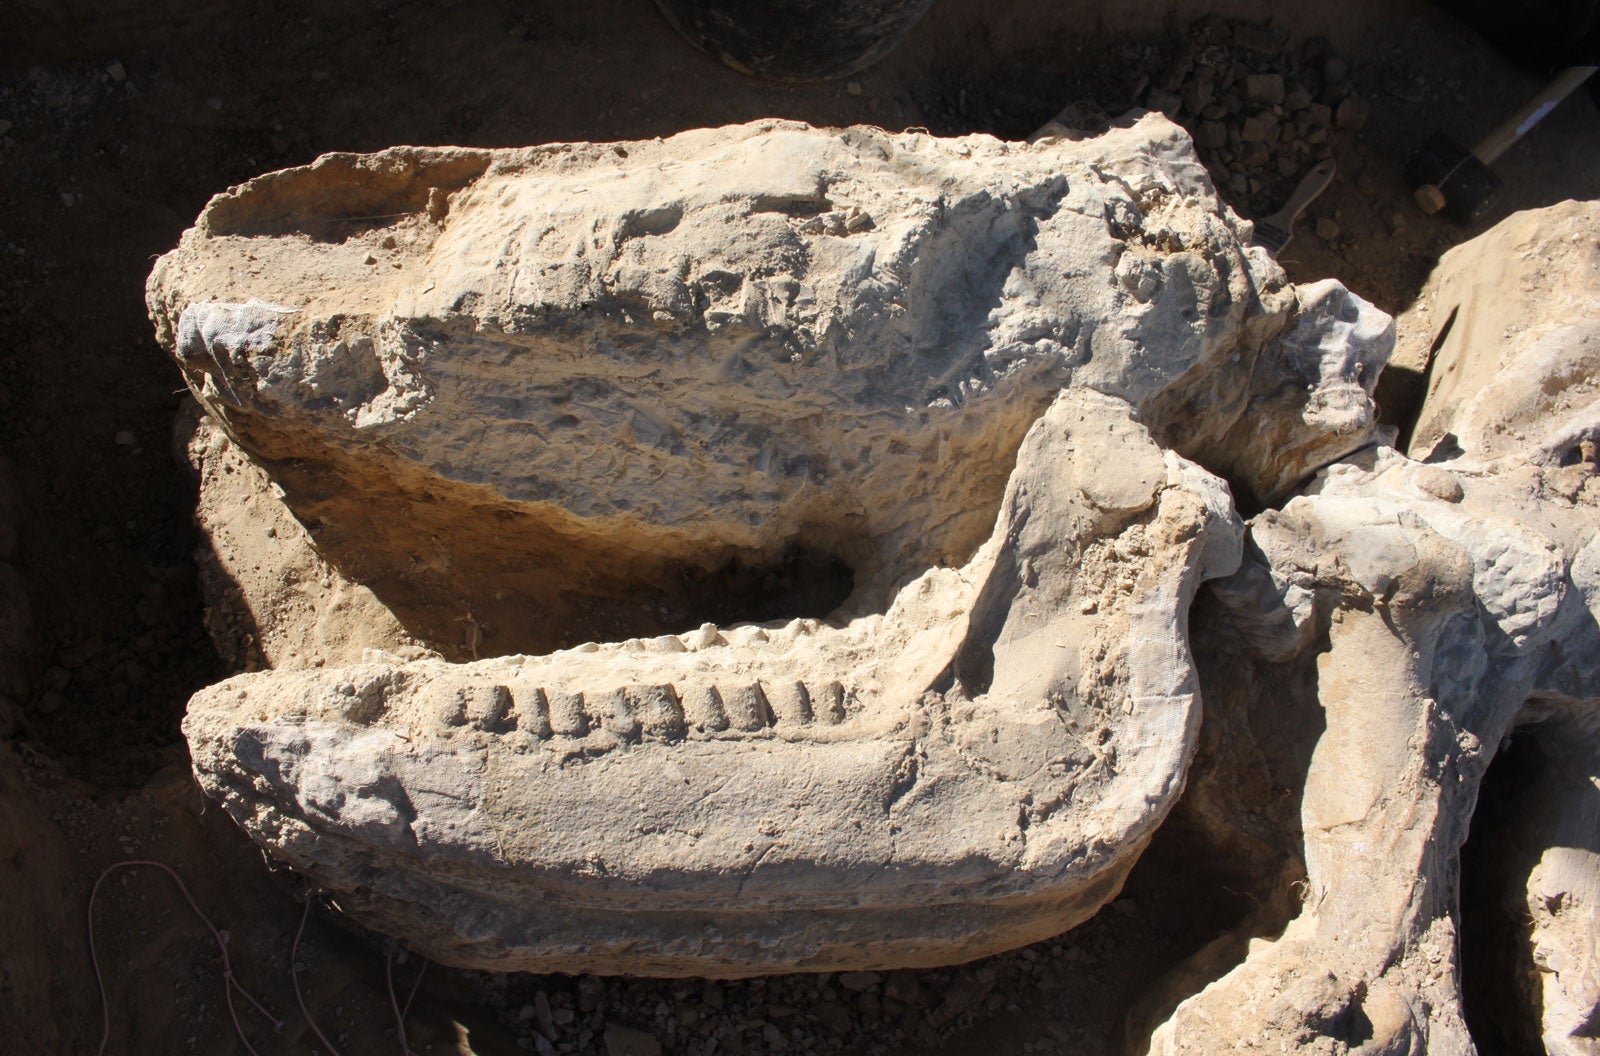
(1256, 38)
(1327, 229)
(1255, 155)
(853, 87)
(116, 71)
(1439, 483)
(1352, 113)
(1166, 102)
(1264, 88)
(1197, 96)
(859, 980)
(627, 1041)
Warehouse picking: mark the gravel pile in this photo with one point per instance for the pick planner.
(847, 1012)
(1261, 110)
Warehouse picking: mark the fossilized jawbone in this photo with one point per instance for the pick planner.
(553, 392)
(974, 768)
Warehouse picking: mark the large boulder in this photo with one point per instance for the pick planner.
(935, 405)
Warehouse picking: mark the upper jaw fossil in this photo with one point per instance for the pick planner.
(558, 391)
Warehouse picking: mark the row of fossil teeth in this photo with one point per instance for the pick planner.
(639, 712)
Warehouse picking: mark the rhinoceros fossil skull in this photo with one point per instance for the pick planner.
(560, 391)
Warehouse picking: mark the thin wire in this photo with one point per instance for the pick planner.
(229, 983)
(399, 1019)
(294, 975)
(401, 1013)
(415, 984)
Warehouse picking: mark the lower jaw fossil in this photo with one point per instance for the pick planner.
(973, 768)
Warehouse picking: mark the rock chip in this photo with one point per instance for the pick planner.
(1352, 113)
(1266, 88)
(626, 1041)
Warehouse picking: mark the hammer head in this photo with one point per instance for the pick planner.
(1468, 186)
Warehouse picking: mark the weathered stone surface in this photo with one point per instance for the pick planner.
(1563, 890)
(534, 397)
(1430, 621)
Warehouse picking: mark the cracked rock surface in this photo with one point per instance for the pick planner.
(932, 440)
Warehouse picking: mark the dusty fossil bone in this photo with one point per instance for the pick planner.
(974, 768)
(556, 392)
(1536, 873)
(576, 386)
(1436, 600)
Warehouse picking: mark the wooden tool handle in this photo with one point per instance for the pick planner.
(1517, 125)
(1314, 183)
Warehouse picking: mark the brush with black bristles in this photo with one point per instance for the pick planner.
(1275, 231)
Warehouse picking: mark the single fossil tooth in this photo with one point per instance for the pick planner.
(443, 706)
(612, 711)
(531, 710)
(747, 708)
(702, 708)
(828, 704)
(567, 717)
(791, 705)
(488, 708)
(657, 711)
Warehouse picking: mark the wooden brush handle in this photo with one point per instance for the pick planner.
(1314, 183)
(1517, 125)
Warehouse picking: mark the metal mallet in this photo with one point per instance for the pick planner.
(1451, 179)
